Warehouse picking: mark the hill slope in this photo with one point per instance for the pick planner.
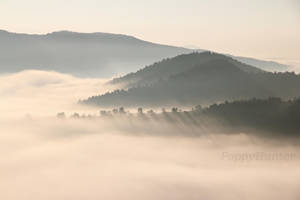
(81, 54)
(168, 67)
(84, 54)
(181, 81)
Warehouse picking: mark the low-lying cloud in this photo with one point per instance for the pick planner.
(42, 92)
(43, 157)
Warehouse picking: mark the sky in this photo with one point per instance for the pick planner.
(268, 29)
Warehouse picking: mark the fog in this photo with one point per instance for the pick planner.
(45, 93)
(42, 157)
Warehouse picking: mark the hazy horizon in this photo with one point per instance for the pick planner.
(260, 29)
(87, 117)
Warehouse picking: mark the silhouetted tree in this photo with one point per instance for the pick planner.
(61, 115)
(122, 110)
(140, 110)
(174, 110)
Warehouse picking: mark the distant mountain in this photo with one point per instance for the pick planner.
(81, 54)
(86, 54)
(270, 66)
(197, 78)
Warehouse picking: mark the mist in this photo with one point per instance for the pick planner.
(43, 157)
(45, 93)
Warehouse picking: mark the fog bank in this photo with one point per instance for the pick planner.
(44, 93)
(42, 157)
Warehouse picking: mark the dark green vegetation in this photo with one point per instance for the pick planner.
(197, 78)
(88, 54)
(266, 117)
(270, 116)
(169, 67)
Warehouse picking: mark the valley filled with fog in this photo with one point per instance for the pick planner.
(45, 157)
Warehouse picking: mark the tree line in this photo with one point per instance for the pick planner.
(271, 115)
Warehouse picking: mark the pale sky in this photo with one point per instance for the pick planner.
(268, 29)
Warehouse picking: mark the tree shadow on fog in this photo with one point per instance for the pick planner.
(268, 118)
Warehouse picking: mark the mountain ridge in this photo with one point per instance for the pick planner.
(96, 54)
(173, 66)
(217, 78)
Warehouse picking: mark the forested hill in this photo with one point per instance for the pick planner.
(171, 66)
(185, 82)
(269, 117)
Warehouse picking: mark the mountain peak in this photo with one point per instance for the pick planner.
(95, 54)
(196, 78)
(176, 65)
